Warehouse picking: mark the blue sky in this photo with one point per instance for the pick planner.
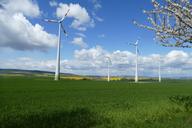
(107, 28)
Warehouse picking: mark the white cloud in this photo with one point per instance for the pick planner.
(26, 7)
(95, 53)
(17, 32)
(92, 61)
(29, 63)
(96, 4)
(101, 36)
(176, 56)
(79, 42)
(97, 17)
(81, 35)
(53, 3)
(81, 17)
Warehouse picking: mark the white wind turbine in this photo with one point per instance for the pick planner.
(136, 63)
(59, 22)
(159, 66)
(159, 69)
(108, 63)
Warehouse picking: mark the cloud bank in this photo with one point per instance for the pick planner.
(93, 61)
(17, 32)
(79, 41)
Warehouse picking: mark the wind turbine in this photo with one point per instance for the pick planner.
(136, 63)
(159, 69)
(59, 22)
(108, 62)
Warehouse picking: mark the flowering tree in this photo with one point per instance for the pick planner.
(171, 22)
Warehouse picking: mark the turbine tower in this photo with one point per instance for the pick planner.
(159, 69)
(108, 72)
(136, 62)
(59, 22)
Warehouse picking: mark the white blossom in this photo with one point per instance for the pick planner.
(172, 22)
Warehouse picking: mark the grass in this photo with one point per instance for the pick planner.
(43, 103)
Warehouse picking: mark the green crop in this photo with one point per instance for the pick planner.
(43, 103)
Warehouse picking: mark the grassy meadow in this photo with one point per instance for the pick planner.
(27, 102)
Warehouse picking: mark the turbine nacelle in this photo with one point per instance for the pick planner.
(135, 44)
(108, 59)
(59, 22)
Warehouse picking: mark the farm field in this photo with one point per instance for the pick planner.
(43, 103)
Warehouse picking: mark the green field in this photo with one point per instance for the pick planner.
(44, 103)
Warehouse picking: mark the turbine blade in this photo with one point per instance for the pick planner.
(109, 59)
(65, 15)
(51, 21)
(62, 27)
(67, 12)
